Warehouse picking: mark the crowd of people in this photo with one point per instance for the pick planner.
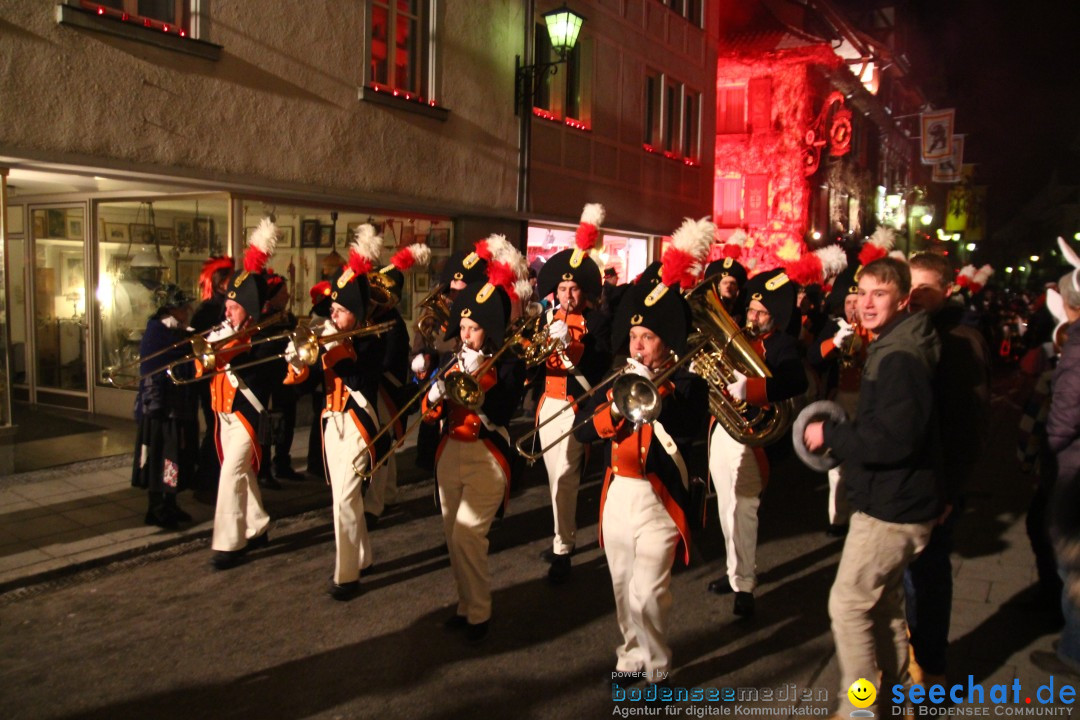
(689, 371)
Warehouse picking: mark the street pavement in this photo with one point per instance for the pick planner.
(139, 625)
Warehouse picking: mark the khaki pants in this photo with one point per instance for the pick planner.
(563, 463)
(639, 542)
(345, 452)
(239, 515)
(736, 476)
(866, 604)
(471, 487)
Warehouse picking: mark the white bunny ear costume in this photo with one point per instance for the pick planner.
(1055, 304)
(1073, 259)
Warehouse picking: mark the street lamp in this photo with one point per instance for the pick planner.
(927, 219)
(1034, 258)
(563, 26)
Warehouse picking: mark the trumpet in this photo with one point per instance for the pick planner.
(403, 411)
(464, 388)
(304, 340)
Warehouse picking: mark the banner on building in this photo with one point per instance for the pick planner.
(756, 198)
(937, 135)
(949, 170)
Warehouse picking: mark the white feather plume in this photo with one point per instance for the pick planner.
(883, 237)
(593, 214)
(367, 244)
(421, 254)
(967, 271)
(695, 237)
(265, 236)
(523, 289)
(737, 238)
(1069, 254)
(833, 260)
(504, 252)
(982, 275)
(899, 255)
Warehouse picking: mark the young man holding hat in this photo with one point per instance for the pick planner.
(740, 472)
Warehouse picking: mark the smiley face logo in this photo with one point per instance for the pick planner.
(862, 693)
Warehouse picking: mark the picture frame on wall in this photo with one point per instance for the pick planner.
(326, 236)
(141, 233)
(309, 233)
(187, 274)
(57, 223)
(117, 233)
(203, 229)
(184, 233)
(74, 227)
(422, 282)
(439, 239)
(288, 236)
(165, 235)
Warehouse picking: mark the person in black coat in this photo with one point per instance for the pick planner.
(165, 413)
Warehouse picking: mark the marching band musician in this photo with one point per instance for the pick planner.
(839, 355)
(351, 373)
(582, 357)
(473, 458)
(240, 398)
(731, 273)
(644, 504)
(740, 472)
(393, 387)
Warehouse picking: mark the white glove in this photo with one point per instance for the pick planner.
(327, 328)
(437, 392)
(560, 332)
(471, 359)
(420, 365)
(737, 389)
(637, 368)
(843, 333)
(170, 322)
(221, 332)
(292, 357)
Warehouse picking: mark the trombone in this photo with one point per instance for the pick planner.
(304, 341)
(464, 388)
(402, 411)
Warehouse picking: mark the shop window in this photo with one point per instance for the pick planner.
(398, 46)
(143, 246)
(566, 94)
(731, 109)
(626, 255)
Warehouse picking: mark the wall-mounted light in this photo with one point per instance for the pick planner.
(563, 26)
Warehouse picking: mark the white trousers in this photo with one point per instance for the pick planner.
(866, 603)
(345, 453)
(737, 479)
(839, 510)
(239, 515)
(383, 488)
(472, 484)
(563, 463)
(639, 542)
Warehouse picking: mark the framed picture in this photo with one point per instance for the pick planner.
(184, 230)
(117, 233)
(326, 236)
(57, 223)
(408, 236)
(422, 282)
(309, 233)
(141, 233)
(439, 238)
(74, 272)
(288, 236)
(203, 229)
(74, 227)
(165, 236)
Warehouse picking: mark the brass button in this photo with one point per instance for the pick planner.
(615, 468)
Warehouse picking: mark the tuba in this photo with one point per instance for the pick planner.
(728, 349)
(434, 316)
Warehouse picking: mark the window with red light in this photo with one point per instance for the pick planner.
(731, 109)
(566, 94)
(165, 15)
(398, 46)
(672, 119)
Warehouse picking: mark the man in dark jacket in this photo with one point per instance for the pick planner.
(892, 452)
(962, 391)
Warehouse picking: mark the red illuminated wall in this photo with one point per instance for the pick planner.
(763, 168)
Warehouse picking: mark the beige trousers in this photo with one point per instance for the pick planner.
(563, 463)
(345, 453)
(239, 515)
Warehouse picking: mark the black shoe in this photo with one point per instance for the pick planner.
(166, 521)
(720, 586)
(285, 472)
(744, 604)
(371, 520)
(181, 515)
(267, 482)
(559, 572)
(476, 634)
(456, 622)
(225, 559)
(257, 542)
(345, 591)
(837, 531)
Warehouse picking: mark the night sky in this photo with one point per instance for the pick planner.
(1011, 71)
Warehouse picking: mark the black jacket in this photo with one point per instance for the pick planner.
(892, 449)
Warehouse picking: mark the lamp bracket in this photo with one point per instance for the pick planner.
(527, 79)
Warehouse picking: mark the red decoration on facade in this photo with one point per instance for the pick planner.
(756, 199)
(838, 138)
